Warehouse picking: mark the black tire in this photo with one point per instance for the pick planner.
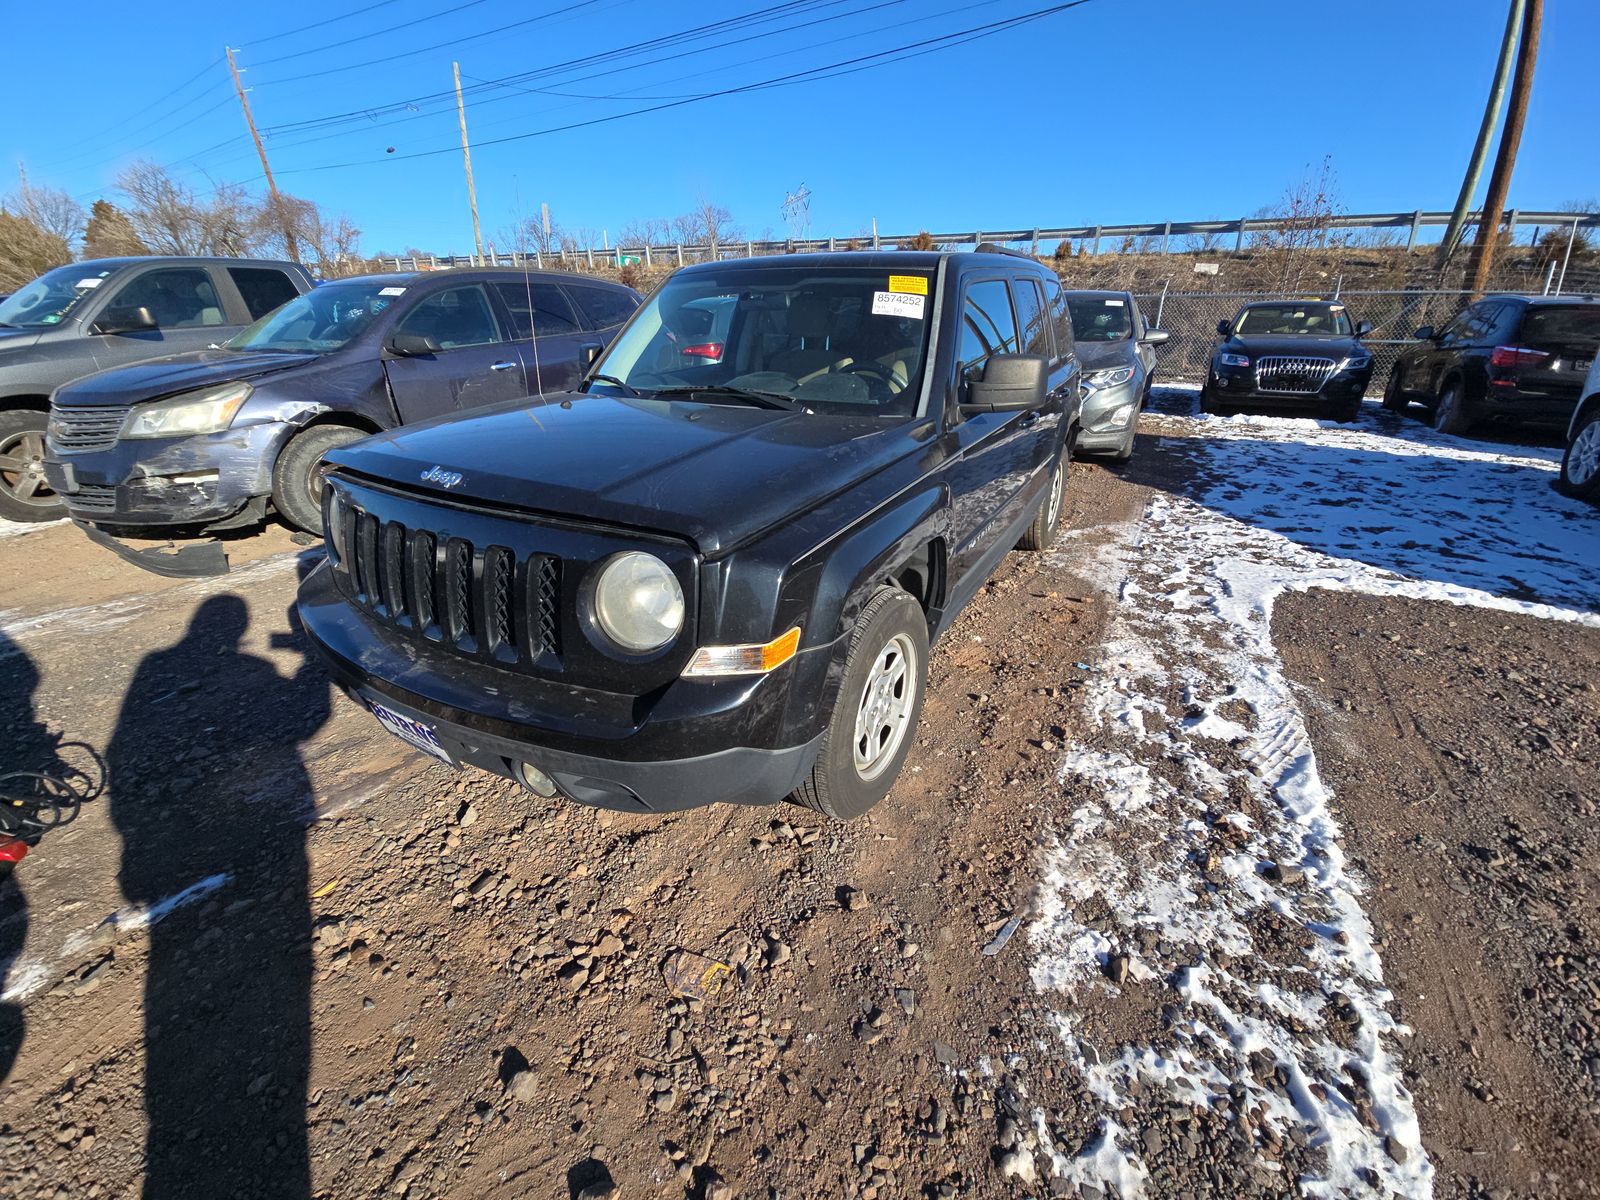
(1580, 465)
(1144, 396)
(297, 475)
(1047, 520)
(1348, 414)
(1449, 410)
(1394, 399)
(1209, 404)
(24, 494)
(892, 622)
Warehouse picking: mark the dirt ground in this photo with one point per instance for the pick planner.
(281, 955)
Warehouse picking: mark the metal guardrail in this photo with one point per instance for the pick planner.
(681, 253)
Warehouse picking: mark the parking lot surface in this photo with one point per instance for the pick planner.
(1248, 848)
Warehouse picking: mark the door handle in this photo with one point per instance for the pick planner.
(501, 366)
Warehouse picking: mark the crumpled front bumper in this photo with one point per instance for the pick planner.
(169, 483)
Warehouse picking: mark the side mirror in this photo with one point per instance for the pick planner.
(1224, 328)
(1154, 337)
(1424, 333)
(125, 320)
(411, 345)
(1010, 383)
(1363, 328)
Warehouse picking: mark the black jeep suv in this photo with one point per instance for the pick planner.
(1514, 359)
(706, 579)
(1303, 354)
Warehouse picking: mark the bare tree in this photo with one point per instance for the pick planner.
(1302, 225)
(26, 251)
(171, 217)
(52, 210)
(327, 242)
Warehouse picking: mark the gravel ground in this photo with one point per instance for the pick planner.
(284, 956)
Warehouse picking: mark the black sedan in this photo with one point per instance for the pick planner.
(1300, 354)
(205, 441)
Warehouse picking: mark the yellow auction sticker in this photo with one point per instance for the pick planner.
(914, 285)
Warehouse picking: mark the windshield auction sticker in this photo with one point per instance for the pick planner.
(910, 285)
(897, 304)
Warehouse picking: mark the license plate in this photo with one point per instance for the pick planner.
(412, 732)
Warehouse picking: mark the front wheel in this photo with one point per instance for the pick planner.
(1449, 411)
(1580, 466)
(1047, 520)
(1394, 399)
(875, 711)
(297, 475)
(24, 493)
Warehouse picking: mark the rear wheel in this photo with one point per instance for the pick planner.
(1394, 399)
(1580, 466)
(24, 493)
(1449, 411)
(876, 709)
(1047, 520)
(297, 475)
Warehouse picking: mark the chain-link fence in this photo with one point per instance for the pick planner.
(1191, 318)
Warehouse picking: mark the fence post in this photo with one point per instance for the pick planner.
(590, 251)
(680, 254)
(831, 246)
(749, 248)
(1549, 277)
(1238, 241)
(1166, 238)
(977, 238)
(1566, 258)
(1416, 224)
(538, 257)
(1161, 304)
(1338, 286)
(647, 254)
(1096, 251)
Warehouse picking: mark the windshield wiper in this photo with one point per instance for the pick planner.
(760, 399)
(615, 382)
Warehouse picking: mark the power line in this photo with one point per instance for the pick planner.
(319, 24)
(111, 133)
(911, 50)
(346, 43)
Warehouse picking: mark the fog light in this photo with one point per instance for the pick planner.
(537, 782)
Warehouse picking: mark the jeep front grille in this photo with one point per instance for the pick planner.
(1293, 376)
(483, 601)
(77, 429)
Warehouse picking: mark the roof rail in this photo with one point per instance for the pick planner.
(997, 248)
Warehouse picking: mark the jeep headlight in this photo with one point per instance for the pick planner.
(1108, 378)
(207, 410)
(638, 602)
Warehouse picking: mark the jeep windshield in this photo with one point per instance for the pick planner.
(49, 299)
(326, 318)
(834, 341)
(1294, 320)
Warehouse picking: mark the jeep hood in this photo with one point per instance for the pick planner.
(712, 473)
(158, 377)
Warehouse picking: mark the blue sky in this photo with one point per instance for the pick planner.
(1118, 110)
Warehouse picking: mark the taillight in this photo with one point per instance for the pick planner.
(708, 350)
(1517, 356)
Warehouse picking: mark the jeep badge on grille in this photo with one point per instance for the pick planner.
(445, 479)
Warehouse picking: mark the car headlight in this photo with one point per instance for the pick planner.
(1234, 360)
(1356, 362)
(1110, 377)
(207, 410)
(638, 602)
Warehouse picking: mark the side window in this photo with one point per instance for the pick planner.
(177, 297)
(1457, 332)
(1060, 317)
(454, 318)
(263, 288)
(536, 307)
(603, 307)
(1031, 317)
(987, 326)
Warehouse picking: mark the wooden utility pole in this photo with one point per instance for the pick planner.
(1480, 148)
(466, 154)
(1494, 204)
(272, 186)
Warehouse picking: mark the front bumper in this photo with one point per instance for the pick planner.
(699, 741)
(1237, 385)
(1107, 415)
(169, 483)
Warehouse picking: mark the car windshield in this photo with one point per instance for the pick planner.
(1100, 318)
(833, 340)
(50, 298)
(1294, 320)
(326, 318)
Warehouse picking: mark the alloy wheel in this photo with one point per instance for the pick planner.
(1583, 457)
(884, 714)
(22, 470)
